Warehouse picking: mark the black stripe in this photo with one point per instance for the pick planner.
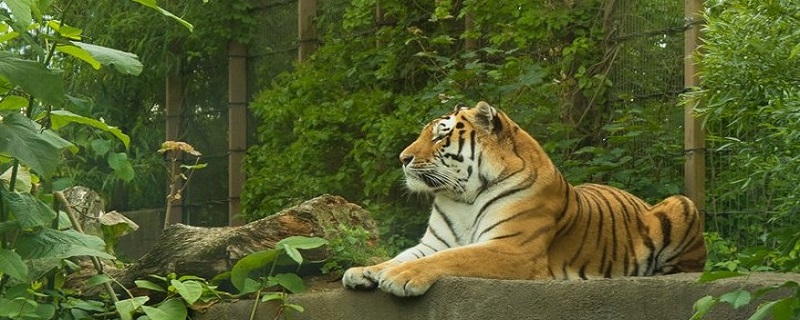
(538, 233)
(447, 221)
(472, 145)
(506, 236)
(436, 235)
(514, 216)
(504, 194)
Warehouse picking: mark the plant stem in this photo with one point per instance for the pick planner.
(255, 304)
(77, 226)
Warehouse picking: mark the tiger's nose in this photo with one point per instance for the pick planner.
(406, 159)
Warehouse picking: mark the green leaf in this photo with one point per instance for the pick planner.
(795, 51)
(291, 244)
(703, 306)
(190, 290)
(79, 53)
(28, 210)
(12, 265)
(65, 31)
(296, 307)
(13, 103)
(172, 309)
(149, 285)
(25, 140)
(290, 281)
(98, 279)
(58, 244)
(101, 147)
(123, 62)
(61, 118)
(126, 308)
(301, 242)
(21, 10)
(122, 167)
(19, 308)
(716, 275)
(763, 310)
(784, 308)
(152, 4)
(241, 270)
(273, 296)
(33, 77)
(737, 298)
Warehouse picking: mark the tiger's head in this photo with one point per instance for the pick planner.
(461, 154)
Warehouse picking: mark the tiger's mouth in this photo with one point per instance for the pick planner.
(426, 180)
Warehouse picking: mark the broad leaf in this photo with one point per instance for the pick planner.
(127, 307)
(152, 4)
(763, 311)
(19, 308)
(33, 77)
(293, 243)
(703, 306)
(241, 270)
(79, 53)
(64, 30)
(28, 210)
(12, 265)
(123, 62)
(57, 244)
(21, 10)
(24, 181)
(122, 167)
(290, 281)
(97, 279)
(14, 103)
(24, 139)
(172, 309)
(737, 298)
(190, 290)
(149, 285)
(61, 118)
(101, 146)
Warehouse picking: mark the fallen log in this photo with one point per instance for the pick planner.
(207, 252)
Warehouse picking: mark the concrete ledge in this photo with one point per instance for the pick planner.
(664, 297)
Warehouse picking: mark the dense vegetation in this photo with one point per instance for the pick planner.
(337, 123)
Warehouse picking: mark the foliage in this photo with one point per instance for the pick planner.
(338, 121)
(351, 246)
(136, 105)
(257, 273)
(37, 242)
(749, 94)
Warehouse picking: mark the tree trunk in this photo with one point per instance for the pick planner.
(207, 252)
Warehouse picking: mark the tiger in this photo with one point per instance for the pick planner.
(502, 210)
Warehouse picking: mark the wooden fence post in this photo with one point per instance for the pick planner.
(694, 134)
(306, 28)
(237, 127)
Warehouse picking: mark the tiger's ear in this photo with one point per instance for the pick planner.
(487, 118)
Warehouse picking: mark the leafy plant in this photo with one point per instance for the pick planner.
(36, 239)
(751, 104)
(257, 273)
(349, 248)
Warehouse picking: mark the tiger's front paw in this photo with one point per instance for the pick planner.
(364, 277)
(406, 280)
(354, 278)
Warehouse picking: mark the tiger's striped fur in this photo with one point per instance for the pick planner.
(502, 210)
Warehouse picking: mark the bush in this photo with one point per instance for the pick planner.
(338, 122)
